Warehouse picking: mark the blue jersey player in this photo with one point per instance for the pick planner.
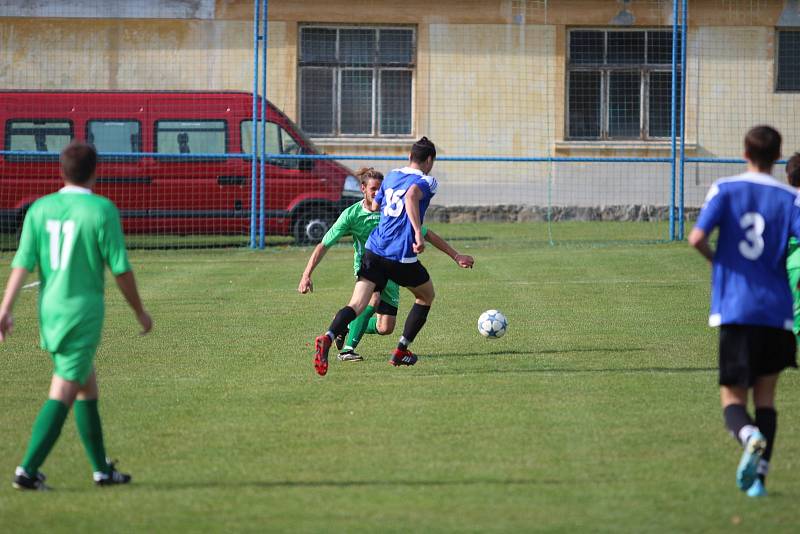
(391, 254)
(751, 300)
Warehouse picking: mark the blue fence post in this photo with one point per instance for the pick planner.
(262, 181)
(673, 107)
(681, 199)
(253, 175)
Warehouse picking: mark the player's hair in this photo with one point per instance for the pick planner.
(78, 161)
(422, 150)
(365, 174)
(793, 170)
(762, 146)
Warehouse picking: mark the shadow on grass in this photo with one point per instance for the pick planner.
(555, 370)
(532, 352)
(267, 484)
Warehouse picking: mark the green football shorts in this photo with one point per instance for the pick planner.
(391, 294)
(74, 365)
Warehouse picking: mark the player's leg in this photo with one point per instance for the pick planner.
(386, 316)
(417, 316)
(739, 347)
(356, 329)
(87, 419)
(46, 429)
(322, 344)
(767, 423)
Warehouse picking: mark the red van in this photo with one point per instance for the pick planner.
(188, 179)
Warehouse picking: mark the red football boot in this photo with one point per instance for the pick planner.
(321, 347)
(402, 357)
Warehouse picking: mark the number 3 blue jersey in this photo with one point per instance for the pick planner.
(756, 215)
(394, 237)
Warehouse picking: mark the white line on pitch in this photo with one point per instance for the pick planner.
(31, 285)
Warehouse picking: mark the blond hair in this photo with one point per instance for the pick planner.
(365, 174)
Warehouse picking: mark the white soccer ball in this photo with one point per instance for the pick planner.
(492, 324)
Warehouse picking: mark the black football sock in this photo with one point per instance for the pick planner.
(767, 423)
(738, 422)
(343, 318)
(414, 323)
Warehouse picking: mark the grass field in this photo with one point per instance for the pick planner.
(597, 412)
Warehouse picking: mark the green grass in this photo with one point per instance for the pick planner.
(597, 412)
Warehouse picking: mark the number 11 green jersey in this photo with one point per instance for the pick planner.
(71, 236)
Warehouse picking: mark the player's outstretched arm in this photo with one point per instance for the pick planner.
(699, 240)
(306, 284)
(463, 261)
(15, 282)
(127, 286)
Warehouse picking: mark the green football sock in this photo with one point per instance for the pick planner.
(91, 431)
(372, 327)
(358, 327)
(46, 430)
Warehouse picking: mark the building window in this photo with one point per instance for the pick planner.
(619, 84)
(356, 81)
(788, 61)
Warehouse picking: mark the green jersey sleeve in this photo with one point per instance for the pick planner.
(339, 229)
(112, 243)
(27, 252)
(424, 230)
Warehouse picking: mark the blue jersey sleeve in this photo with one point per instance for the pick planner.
(428, 185)
(795, 223)
(712, 209)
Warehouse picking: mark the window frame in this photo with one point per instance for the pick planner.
(605, 69)
(776, 61)
(290, 164)
(29, 158)
(375, 66)
(190, 157)
(100, 155)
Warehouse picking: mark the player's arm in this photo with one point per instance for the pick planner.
(306, 284)
(112, 247)
(462, 260)
(24, 262)
(413, 197)
(339, 229)
(699, 240)
(15, 282)
(127, 286)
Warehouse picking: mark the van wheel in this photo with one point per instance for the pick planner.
(310, 228)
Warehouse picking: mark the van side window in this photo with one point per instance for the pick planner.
(190, 137)
(114, 135)
(279, 141)
(38, 136)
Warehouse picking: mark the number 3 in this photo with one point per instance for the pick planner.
(753, 244)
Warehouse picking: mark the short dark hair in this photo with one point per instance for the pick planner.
(78, 161)
(762, 146)
(365, 174)
(422, 150)
(793, 170)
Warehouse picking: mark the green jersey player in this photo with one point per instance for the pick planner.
(71, 236)
(793, 254)
(358, 221)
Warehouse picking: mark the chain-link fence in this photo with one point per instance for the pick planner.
(592, 120)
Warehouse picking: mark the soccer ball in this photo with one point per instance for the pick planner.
(492, 324)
